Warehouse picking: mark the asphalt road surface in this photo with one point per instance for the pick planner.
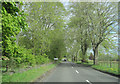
(70, 72)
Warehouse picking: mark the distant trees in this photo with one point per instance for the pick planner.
(45, 34)
(91, 56)
(79, 25)
(57, 46)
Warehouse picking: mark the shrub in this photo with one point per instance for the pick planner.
(41, 59)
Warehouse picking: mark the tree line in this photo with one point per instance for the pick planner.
(91, 25)
(36, 32)
(32, 33)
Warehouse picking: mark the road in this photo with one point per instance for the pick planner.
(70, 72)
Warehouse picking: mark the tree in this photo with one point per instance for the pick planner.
(95, 22)
(12, 23)
(57, 46)
(13, 20)
(44, 19)
(78, 23)
(102, 20)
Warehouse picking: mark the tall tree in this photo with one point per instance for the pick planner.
(94, 22)
(13, 21)
(103, 20)
(80, 26)
(43, 18)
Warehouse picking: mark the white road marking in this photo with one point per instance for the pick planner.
(72, 67)
(76, 71)
(88, 81)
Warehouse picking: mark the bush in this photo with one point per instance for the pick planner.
(20, 57)
(26, 57)
(41, 59)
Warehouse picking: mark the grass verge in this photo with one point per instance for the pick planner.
(90, 63)
(27, 76)
(107, 69)
(103, 67)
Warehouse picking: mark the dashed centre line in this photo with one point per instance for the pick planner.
(88, 81)
(76, 71)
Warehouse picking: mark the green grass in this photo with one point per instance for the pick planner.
(107, 69)
(27, 76)
(0, 78)
(90, 62)
(105, 66)
(78, 62)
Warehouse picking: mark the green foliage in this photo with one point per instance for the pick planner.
(12, 23)
(41, 59)
(57, 47)
(47, 36)
(91, 24)
(21, 56)
(33, 44)
(25, 56)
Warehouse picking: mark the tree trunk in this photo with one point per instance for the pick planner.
(6, 68)
(84, 49)
(84, 56)
(76, 58)
(72, 58)
(95, 55)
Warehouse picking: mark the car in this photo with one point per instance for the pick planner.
(65, 59)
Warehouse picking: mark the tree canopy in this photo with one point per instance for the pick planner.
(37, 32)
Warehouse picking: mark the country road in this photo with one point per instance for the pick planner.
(70, 72)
